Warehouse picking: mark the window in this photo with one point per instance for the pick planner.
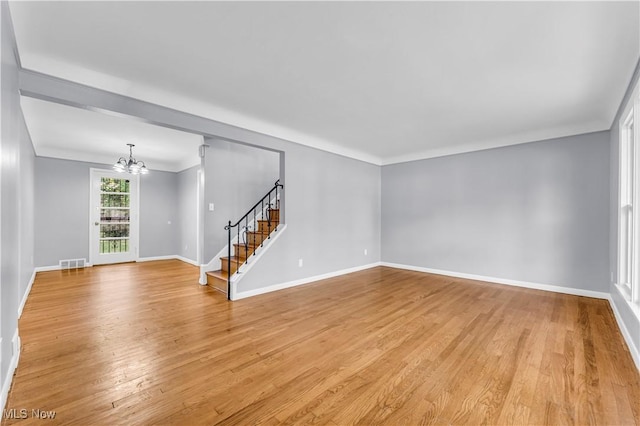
(115, 212)
(628, 207)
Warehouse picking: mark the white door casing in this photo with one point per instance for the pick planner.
(113, 217)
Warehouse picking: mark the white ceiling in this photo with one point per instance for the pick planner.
(380, 81)
(61, 131)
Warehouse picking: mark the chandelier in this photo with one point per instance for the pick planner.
(132, 165)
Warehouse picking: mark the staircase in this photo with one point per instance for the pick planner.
(244, 250)
(251, 234)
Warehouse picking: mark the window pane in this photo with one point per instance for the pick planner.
(114, 215)
(114, 185)
(627, 191)
(624, 245)
(630, 162)
(114, 246)
(114, 231)
(629, 251)
(115, 203)
(114, 200)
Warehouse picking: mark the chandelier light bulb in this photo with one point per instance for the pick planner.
(132, 165)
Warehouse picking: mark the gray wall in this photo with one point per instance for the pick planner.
(158, 214)
(535, 212)
(332, 202)
(532, 212)
(188, 214)
(332, 208)
(631, 321)
(236, 177)
(332, 214)
(16, 199)
(62, 211)
(26, 207)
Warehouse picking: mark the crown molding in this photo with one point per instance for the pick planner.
(221, 116)
(530, 137)
(51, 68)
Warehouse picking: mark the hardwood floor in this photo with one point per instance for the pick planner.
(144, 344)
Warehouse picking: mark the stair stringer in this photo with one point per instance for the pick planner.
(215, 263)
(253, 259)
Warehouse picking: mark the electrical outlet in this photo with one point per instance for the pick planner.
(168, 222)
(211, 207)
(300, 263)
(612, 277)
(365, 252)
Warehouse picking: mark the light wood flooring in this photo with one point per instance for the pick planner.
(145, 344)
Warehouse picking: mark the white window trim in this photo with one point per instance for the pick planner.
(630, 293)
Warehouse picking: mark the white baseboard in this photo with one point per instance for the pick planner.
(141, 259)
(26, 293)
(259, 252)
(282, 286)
(635, 353)
(47, 268)
(13, 364)
(168, 257)
(57, 268)
(187, 260)
(535, 286)
(154, 258)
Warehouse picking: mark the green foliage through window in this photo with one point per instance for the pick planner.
(114, 185)
(115, 207)
(114, 246)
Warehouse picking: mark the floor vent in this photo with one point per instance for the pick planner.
(73, 263)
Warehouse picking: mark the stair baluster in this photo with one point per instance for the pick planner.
(256, 233)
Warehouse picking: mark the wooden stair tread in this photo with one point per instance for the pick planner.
(234, 259)
(248, 246)
(267, 225)
(254, 240)
(218, 274)
(218, 280)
